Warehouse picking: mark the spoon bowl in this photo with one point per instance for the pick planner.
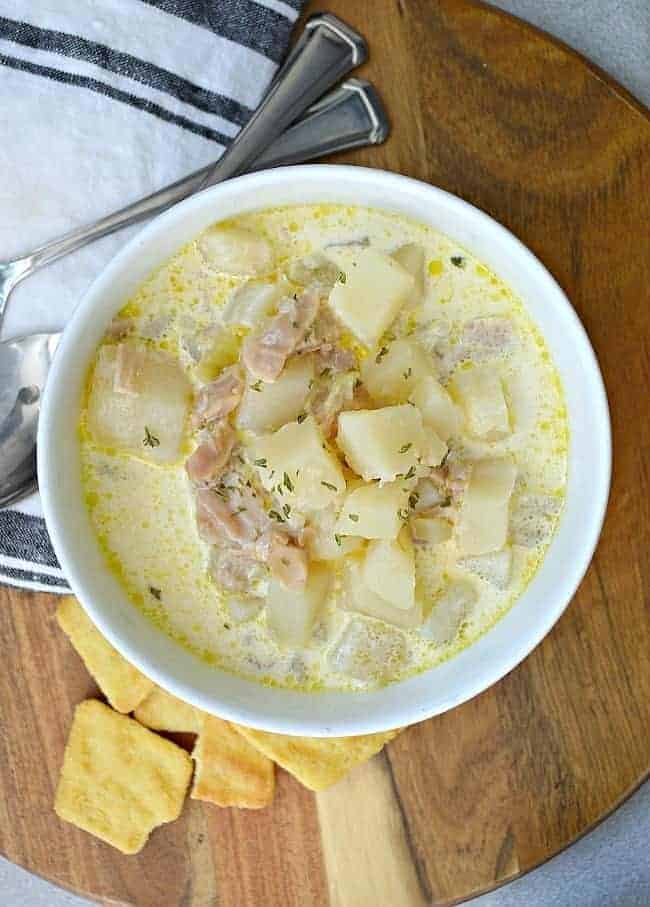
(24, 364)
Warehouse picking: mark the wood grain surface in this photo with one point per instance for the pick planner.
(510, 120)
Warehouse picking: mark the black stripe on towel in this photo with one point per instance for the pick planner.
(16, 577)
(25, 537)
(124, 64)
(123, 96)
(242, 21)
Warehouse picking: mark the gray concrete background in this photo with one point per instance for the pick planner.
(611, 866)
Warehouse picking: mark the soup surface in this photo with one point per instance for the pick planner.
(324, 447)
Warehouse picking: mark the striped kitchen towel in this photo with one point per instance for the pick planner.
(102, 102)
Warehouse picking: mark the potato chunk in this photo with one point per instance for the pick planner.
(381, 443)
(314, 477)
(483, 521)
(389, 570)
(373, 511)
(326, 543)
(357, 596)
(438, 410)
(375, 289)
(148, 419)
(432, 530)
(236, 251)
(292, 613)
(267, 406)
(391, 375)
(411, 257)
(485, 406)
(249, 303)
(448, 612)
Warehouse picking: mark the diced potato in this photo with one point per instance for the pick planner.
(433, 449)
(431, 530)
(291, 614)
(314, 478)
(391, 375)
(373, 511)
(266, 406)
(375, 289)
(494, 568)
(357, 596)
(411, 257)
(438, 410)
(236, 251)
(485, 406)
(448, 612)
(326, 543)
(150, 422)
(381, 443)
(389, 570)
(483, 521)
(368, 651)
(252, 301)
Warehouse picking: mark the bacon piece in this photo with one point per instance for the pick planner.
(210, 457)
(288, 563)
(218, 398)
(217, 523)
(265, 354)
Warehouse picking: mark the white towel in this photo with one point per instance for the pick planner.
(102, 102)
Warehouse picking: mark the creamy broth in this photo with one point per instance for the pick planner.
(462, 319)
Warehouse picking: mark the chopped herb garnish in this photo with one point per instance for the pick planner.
(287, 482)
(325, 373)
(241, 459)
(294, 324)
(446, 502)
(150, 440)
(403, 513)
(286, 510)
(239, 510)
(311, 383)
(276, 516)
(279, 489)
(342, 277)
(301, 418)
(257, 385)
(285, 561)
(410, 474)
(414, 497)
(261, 462)
(226, 626)
(380, 355)
(329, 485)
(357, 383)
(249, 484)
(458, 261)
(337, 539)
(354, 517)
(407, 374)
(155, 592)
(405, 447)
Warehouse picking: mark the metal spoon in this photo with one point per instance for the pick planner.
(350, 116)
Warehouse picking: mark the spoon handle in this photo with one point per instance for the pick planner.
(325, 52)
(351, 115)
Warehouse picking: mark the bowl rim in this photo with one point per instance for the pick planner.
(299, 713)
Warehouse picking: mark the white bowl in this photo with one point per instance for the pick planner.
(332, 713)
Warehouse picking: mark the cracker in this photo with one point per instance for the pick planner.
(122, 684)
(230, 771)
(161, 711)
(119, 780)
(317, 762)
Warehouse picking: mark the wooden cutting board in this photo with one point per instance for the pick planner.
(521, 126)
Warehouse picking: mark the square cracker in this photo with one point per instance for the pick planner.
(161, 711)
(122, 684)
(119, 780)
(317, 762)
(230, 771)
